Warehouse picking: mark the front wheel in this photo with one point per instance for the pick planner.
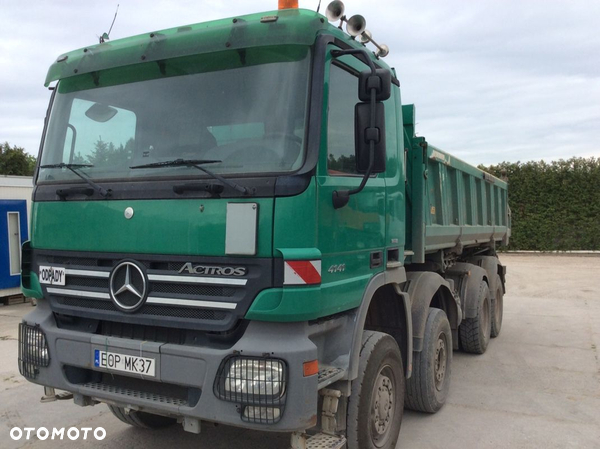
(376, 404)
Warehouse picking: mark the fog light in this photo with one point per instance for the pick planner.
(33, 350)
(264, 415)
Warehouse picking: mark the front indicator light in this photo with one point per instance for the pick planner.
(310, 368)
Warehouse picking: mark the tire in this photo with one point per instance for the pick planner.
(497, 308)
(427, 388)
(142, 420)
(475, 332)
(378, 387)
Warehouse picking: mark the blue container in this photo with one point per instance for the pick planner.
(13, 232)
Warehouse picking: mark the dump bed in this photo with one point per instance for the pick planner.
(450, 204)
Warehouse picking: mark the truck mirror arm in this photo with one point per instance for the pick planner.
(341, 197)
(356, 51)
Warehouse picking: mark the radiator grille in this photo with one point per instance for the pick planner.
(78, 261)
(136, 394)
(190, 289)
(149, 309)
(86, 282)
(208, 301)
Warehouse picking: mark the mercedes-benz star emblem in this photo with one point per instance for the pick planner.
(128, 286)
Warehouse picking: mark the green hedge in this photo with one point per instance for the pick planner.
(555, 206)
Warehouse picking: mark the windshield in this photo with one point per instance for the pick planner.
(245, 109)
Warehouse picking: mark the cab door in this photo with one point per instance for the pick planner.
(352, 239)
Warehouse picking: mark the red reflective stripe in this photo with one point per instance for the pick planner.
(306, 271)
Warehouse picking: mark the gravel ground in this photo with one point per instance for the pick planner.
(538, 384)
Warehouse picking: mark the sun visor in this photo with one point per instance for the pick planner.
(291, 26)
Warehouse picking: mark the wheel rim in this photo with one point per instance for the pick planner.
(383, 406)
(440, 361)
(485, 326)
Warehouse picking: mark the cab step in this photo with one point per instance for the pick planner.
(328, 375)
(324, 441)
(318, 441)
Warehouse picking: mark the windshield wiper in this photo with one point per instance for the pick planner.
(177, 162)
(196, 163)
(74, 168)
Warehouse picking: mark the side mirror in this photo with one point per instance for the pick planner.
(364, 134)
(375, 86)
(381, 82)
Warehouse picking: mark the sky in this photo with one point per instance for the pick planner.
(492, 80)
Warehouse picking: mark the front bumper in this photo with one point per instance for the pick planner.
(179, 368)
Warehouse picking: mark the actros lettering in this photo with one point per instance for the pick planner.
(212, 271)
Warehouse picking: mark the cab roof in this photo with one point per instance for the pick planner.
(279, 27)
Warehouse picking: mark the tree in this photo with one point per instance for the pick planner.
(101, 154)
(15, 161)
(108, 154)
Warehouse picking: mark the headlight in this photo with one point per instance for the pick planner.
(255, 377)
(37, 349)
(33, 350)
(258, 384)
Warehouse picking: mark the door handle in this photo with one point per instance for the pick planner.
(376, 259)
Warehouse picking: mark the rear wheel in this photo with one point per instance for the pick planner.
(475, 332)
(497, 308)
(427, 388)
(141, 419)
(376, 405)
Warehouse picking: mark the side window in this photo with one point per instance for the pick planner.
(343, 96)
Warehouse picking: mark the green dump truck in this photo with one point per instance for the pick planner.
(235, 222)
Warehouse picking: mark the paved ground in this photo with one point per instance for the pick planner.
(538, 385)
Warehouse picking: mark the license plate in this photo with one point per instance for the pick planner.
(52, 275)
(125, 363)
